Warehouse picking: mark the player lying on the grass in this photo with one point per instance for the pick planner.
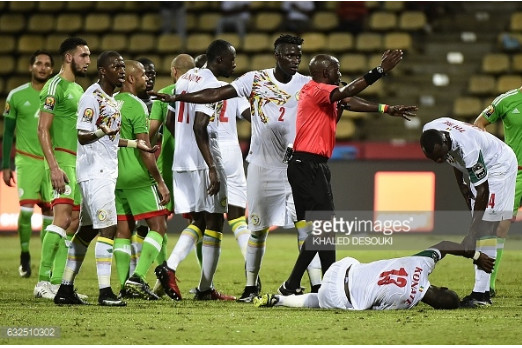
(398, 283)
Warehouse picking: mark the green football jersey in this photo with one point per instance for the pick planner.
(23, 105)
(132, 172)
(159, 112)
(508, 108)
(60, 98)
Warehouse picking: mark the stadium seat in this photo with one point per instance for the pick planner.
(51, 6)
(325, 21)
(345, 129)
(22, 6)
(80, 6)
(375, 60)
(233, 38)
(12, 23)
(192, 22)
(69, 23)
(466, 108)
(398, 40)
(169, 43)
(8, 43)
(41, 23)
(480, 85)
(150, 22)
(243, 130)
(262, 61)
(242, 64)
(164, 65)
(375, 90)
(353, 63)
(368, 42)
(30, 43)
(516, 21)
(16, 81)
(314, 42)
(142, 43)
(508, 82)
(412, 20)
(116, 42)
(7, 65)
(339, 42)
(268, 21)
(110, 6)
(93, 41)
(495, 63)
(98, 22)
(208, 21)
(256, 42)
(383, 21)
(22, 64)
(125, 23)
(198, 43)
(516, 65)
(393, 6)
(53, 41)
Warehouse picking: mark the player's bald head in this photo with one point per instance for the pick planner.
(183, 62)
(133, 67)
(319, 63)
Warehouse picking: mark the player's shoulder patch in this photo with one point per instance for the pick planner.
(49, 103)
(88, 114)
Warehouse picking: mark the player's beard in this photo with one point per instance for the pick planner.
(78, 72)
(40, 79)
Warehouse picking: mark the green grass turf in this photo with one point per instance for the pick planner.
(191, 322)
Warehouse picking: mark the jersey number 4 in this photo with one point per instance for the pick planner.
(399, 277)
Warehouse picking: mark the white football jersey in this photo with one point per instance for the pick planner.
(227, 112)
(474, 152)
(398, 283)
(98, 159)
(273, 106)
(187, 155)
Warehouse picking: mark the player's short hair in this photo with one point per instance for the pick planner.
(429, 139)
(445, 299)
(145, 61)
(287, 39)
(37, 53)
(70, 44)
(216, 49)
(104, 58)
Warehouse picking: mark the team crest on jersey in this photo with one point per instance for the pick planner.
(223, 202)
(255, 219)
(489, 110)
(49, 103)
(101, 215)
(7, 108)
(87, 115)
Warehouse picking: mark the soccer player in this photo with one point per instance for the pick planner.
(21, 121)
(56, 133)
(141, 192)
(506, 107)
(399, 283)
(162, 115)
(98, 128)
(320, 106)
(200, 184)
(141, 228)
(489, 168)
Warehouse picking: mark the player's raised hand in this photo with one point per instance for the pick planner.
(485, 262)
(142, 145)
(390, 59)
(163, 97)
(402, 111)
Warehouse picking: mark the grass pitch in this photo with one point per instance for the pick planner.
(190, 322)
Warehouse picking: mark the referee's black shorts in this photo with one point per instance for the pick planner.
(309, 177)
